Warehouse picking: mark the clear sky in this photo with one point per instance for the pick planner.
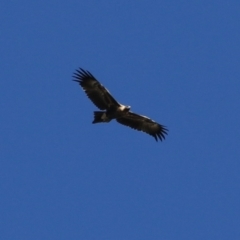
(61, 177)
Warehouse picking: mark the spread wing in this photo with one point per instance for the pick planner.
(145, 124)
(95, 91)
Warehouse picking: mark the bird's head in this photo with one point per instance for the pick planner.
(124, 108)
(127, 108)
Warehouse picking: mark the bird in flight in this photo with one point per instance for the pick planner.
(102, 98)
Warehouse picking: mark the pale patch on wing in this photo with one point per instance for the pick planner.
(145, 124)
(95, 91)
(102, 98)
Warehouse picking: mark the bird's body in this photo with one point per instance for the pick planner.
(112, 113)
(101, 97)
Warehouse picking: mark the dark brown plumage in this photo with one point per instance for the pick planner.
(101, 97)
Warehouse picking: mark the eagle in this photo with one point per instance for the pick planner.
(102, 98)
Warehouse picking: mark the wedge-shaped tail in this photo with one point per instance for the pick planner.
(101, 97)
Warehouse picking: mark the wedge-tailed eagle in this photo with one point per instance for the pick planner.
(101, 97)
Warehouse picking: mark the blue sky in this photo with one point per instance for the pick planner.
(175, 61)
